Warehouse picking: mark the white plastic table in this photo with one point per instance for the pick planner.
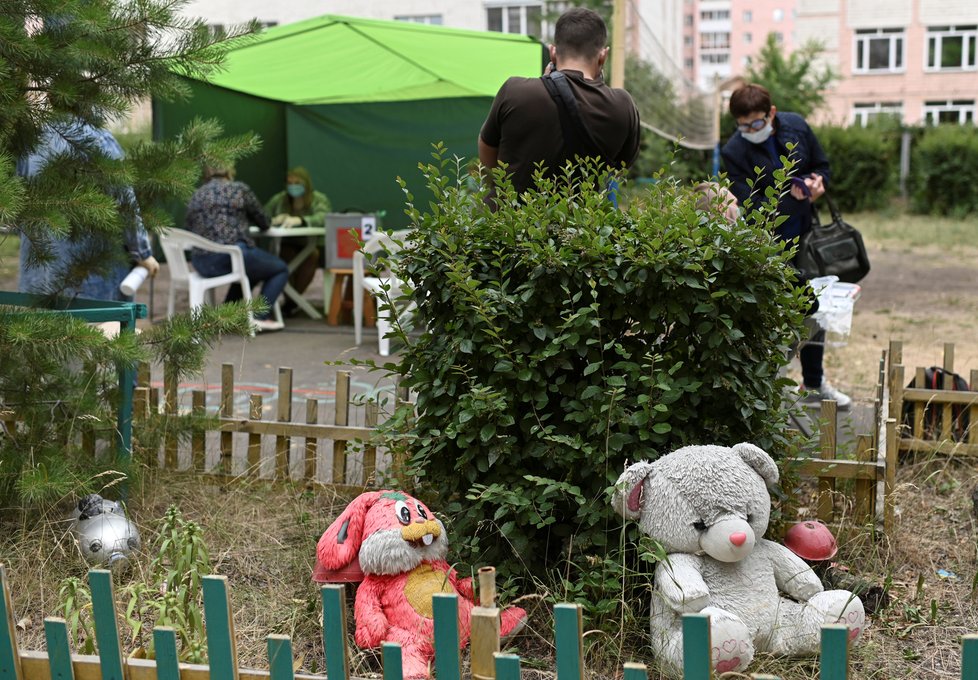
(275, 236)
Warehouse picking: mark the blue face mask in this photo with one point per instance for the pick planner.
(296, 190)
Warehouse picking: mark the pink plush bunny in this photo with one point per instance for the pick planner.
(401, 546)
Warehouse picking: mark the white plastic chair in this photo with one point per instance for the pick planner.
(175, 243)
(376, 286)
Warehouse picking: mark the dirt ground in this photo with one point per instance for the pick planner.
(927, 565)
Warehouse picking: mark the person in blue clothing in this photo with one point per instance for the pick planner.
(66, 270)
(762, 138)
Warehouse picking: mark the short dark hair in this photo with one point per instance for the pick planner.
(749, 99)
(580, 32)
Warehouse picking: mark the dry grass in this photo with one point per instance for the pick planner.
(262, 536)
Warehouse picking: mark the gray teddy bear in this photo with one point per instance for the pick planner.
(709, 508)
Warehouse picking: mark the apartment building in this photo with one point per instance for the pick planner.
(713, 27)
(753, 21)
(914, 59)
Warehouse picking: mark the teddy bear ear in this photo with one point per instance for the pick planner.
(759, 460)
(627, 498)
(340, 543)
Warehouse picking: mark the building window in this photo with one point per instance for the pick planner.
(748, 16)
(879, 50)
(864, 114)
(688, 63)
(688, 20)
(951, 47)
(958, 111)
(748, 38)
(524, 19)
(715, 58)
(715, 41)
(714, 14)
(779, 37)
(433, 19)
(688, 40)
(778, 14)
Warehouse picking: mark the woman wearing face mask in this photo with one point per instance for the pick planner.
(298, 206)
(762, 138)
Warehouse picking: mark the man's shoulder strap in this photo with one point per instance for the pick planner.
(578, 139)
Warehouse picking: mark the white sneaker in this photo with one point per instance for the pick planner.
(267, 325)
(815, 396)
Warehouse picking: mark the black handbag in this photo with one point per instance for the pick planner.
(834, 248)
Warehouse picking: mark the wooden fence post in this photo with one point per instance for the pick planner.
(280, 658)
(342, 418)
(334, 632)
(448, 660)
(59, 650)
(106, 624)
(222, 651)
(889, 480)
(312, 442)
(485, 627)
(283, 443)
(9, 654)
(167, 660)
(508, 667)
(371, 417)
(697, 658)
(973, 411)
(227, 411)
(171, 407)
(864, 508)
(827, 444)
(198, 447)
(569, 638)
(636, 671)
(969, 657)
(834, 662)
(393, 668)
(256, 413)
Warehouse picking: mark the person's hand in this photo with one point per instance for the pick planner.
(150, 264)
(279, 219)
(816, 185)
(291, 221)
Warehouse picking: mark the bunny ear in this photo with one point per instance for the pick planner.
(627, 498)
(340, 543)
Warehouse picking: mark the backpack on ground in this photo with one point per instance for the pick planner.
(934, 412)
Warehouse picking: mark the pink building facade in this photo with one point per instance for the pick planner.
(914, 59)
(752, 21)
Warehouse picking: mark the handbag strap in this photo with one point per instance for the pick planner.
(833, 208)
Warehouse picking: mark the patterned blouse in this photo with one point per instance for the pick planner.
(222, 211)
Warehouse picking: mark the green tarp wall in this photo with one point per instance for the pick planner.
(358, 102)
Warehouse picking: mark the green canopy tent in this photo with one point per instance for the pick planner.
(358, 102)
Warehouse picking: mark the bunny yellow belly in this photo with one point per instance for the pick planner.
(422, 584)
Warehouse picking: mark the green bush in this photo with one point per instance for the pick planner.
(944, 171)
(562, 338)
(865, 165)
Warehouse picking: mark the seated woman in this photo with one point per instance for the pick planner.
(222, 210)
(298, 206)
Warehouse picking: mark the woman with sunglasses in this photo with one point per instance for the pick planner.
(762, 138)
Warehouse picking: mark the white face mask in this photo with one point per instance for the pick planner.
(760, 136)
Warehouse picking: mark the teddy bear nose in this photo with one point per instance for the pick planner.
(738, 538)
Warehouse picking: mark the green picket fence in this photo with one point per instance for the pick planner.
(58, 663)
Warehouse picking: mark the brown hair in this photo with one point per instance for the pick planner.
(212, 171)
(297, 206)
(750, 99)
(580, 32)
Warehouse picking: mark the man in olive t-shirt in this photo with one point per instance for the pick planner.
(523, 126)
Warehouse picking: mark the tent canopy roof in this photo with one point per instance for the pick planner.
(334, 59)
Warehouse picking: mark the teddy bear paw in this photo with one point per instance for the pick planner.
(732, 649)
